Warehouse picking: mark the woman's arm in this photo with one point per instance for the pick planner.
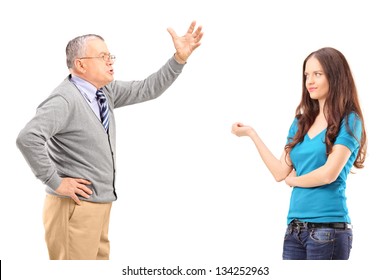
(279, 168)
(325, 174)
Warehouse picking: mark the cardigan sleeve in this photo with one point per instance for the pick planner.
(124, 93)
(49, 119)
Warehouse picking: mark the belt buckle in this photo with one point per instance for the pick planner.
(298, 224)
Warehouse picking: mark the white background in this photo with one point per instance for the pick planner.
(191, 193)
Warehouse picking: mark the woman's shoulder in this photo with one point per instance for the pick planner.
(352, 119)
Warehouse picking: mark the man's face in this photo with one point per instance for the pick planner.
(97, 64)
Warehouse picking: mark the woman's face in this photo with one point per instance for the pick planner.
(317, 83)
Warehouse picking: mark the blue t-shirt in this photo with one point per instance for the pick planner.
(327, 203)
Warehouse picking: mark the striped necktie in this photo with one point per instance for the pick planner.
(103, 106)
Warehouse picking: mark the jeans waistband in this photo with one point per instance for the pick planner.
(302, 225)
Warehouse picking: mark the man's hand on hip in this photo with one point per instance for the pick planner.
(74, 186)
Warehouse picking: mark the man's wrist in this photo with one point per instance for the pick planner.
(179, 59)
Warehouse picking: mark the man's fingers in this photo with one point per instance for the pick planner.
(198, 38)
(82, 193)
(72, 187)
(83, 181)
(76, 199)
(195, 46)
(172, 32)
(192, 26)
(81, 186)
(190, 30)
(83, 190)
(198, 33)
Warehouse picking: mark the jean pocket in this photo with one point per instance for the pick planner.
(322, 235)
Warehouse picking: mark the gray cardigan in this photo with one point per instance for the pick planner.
(66, 139)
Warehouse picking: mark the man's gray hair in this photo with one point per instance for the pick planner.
(77, 47)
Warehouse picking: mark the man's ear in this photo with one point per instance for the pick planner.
(79, 66)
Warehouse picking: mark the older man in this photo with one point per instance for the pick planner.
(70, 142)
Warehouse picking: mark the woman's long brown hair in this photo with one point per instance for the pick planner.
(341, 101)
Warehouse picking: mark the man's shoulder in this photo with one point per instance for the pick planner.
(66, 89)
(66, 92)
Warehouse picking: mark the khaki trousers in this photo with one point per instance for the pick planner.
(76, 232)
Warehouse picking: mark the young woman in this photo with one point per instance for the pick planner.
(326, 139)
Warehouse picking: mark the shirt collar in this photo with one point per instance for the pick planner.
(85, 87)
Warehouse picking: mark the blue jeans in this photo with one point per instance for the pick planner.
(317, 243)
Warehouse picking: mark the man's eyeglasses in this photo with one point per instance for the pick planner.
(106, 57)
